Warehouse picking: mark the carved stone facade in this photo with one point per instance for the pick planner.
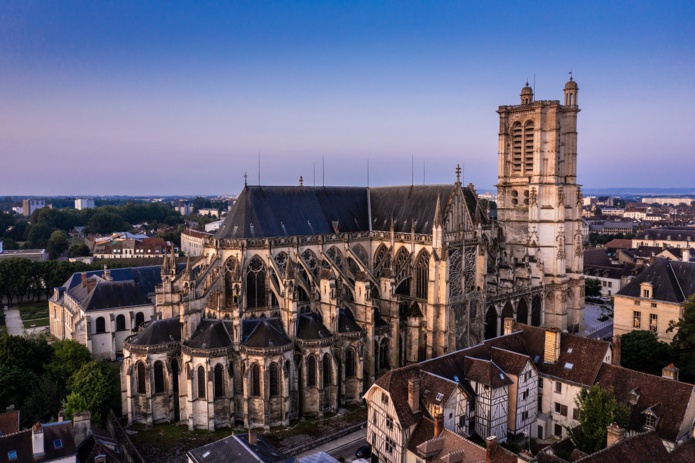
(307, 295)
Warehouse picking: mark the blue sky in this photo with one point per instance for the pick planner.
(174, 97)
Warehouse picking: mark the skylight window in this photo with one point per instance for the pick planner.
(501, 376)
(440, 396)
(569, 351)
(456, 378)
(569, 365)
(12, 455)
(536, 359)
(58, 443)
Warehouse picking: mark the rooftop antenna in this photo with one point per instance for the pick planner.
(412, 170)
(259, 168)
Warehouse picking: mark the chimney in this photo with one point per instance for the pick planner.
(686, 254)
(670, 372)
(61, 416)
(82, 424)
(614, 435)
(490, 447)
(83, 279)
(438, 424)
(253, 438)
(107, 273)
(552, 345)
(508, 325)
(414, 393)
(37, 439)
(616, 350)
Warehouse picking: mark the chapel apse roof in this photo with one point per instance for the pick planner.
(310, 327)
(264, 332)
(158, 332)
(211, 334)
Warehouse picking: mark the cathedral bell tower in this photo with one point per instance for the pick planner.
(539, 200)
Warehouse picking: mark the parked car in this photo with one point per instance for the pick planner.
(364, 452)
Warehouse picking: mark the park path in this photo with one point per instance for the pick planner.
(14, 322)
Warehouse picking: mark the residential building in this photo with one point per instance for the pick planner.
(668, 200)
(654, 298)
(238, 448)
(193, 241)
(54, 442)
(100, 309)
(213, 226)
(30, 205)
(36, 255)
(209, 212)
(84, 203)
(672, 237)
(183, 208)
(119, 247)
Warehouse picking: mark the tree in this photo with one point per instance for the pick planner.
(68, 358)
(6, 221)
(683, 344)
(79, 250)
(641, 350)
(597, 408)
(39, 235)
(106, 222)
(74, 403)
(592, 287)
(57, 244)
(43, 401)
(92, 382)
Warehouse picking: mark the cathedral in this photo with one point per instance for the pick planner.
(306, 295)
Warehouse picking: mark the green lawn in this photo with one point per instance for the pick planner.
(34, 311)
(36, 322)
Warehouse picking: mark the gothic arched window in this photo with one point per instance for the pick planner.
(274, 379)
(201, 382)
(120, 323)
(382, 260)
(142, 377)
(158, 377)
(255, 284)
(101, 325)
(219, 380)
(327, 370)
(255, 380)
(422, 268)
(349, 363)
(311, 371)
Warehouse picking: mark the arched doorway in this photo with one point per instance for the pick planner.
(536, 311)
(522, 312)
(508, 311)
(490, 323)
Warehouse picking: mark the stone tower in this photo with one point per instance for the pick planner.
(539, 200)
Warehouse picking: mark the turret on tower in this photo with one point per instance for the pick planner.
(526, 95)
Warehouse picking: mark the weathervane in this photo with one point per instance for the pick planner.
(245, 177)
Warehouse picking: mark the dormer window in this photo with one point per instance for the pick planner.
(633, 397)
(646, 290)
(650, 420)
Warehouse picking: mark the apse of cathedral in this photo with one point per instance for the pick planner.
(306, 295)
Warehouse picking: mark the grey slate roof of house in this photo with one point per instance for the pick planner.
(277, 211)
(59, 442)
(101, 294)
(672, 281)
(237, 449)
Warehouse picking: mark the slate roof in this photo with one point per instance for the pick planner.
(319, 457)
(237, 449)
(146, 278)
(596, 257)
(346, 322)
(684, 453)
(663, 233)
(94, 446)
(583, 354)
(59, 442)
(211, 334)
(158, 332)
(672, 281)
(277, 211)
(667, 398)
(310, 327)
(100, 294)
(264, 332)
